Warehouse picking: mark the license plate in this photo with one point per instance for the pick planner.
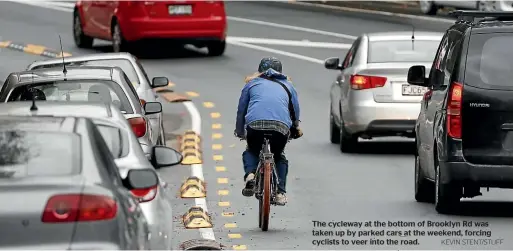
(412, 90)
(180, 10)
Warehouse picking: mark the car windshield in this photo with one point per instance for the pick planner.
(402, 51)
(489, 61)
(74, 90)
(31, 153)
(124, 64)
(115, 139)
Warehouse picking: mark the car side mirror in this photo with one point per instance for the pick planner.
(141, 179)
(162, 156)
(159, 82)
(332, 64)
(152, 108)
(417, 75)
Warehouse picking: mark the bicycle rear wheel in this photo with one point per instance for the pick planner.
(265, 200)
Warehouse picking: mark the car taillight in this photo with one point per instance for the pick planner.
(454, 111)
(144, 195)
(138, 126)
(361, 82)
(79, 207)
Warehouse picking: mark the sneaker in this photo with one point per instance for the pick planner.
(249, 189)
(281, 199)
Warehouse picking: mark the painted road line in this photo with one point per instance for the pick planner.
(280, 52)
(192, 94)
(223, 203)
(223, 192)
(33, 49)
(220, 169)
(215, 115)
(216, 126)
(222, 180)
(297, 43)
(230, 225)
(239, 247)
(227, 214)
(217, 136)
(218, 157)
(208, 104)
(217, 147)
(197, 169)
(234, 236)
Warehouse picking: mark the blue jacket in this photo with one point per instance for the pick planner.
(262, 99)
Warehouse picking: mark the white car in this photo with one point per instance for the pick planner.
(431, 7)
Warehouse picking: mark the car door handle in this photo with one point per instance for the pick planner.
(507, 126)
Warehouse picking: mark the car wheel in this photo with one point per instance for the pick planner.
(81, 39)
(447, 196)
(424, 191)
(348, 142)
(334, 131)
(119, 44)
(216, 48)
(428, 7)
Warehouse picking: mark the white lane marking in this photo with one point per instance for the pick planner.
(197, 169)
(291, 27)
(303, 43)
(280, 52)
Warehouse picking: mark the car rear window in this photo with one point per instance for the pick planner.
(116, 140)
(489, 61)
(402, 51)
(105, 91)
(35, 153)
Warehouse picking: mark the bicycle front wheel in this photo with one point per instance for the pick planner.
(265, 200)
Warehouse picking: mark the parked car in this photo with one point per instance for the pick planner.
(128, 155)
(135, 73)
(93, 84)
(201, 23)
(431, 7)
(371, 97)
(465, 126)
(61, 188)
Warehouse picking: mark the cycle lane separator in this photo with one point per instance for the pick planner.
(222, 181)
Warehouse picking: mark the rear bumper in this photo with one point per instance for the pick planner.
(385, 119)
(211, 28)
(482, 175)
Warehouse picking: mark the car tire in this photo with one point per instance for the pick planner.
(81, 39)
(216, 48)
(348, 142)
(428, 7)
(119, 44)
(447, 196)
(334, 131)
(424, 191)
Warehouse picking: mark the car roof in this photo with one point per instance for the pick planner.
(90, 57)
(405, 35)
(58, 108)
(73, 73)
(39, 123)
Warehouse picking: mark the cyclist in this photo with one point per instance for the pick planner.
(265, 107)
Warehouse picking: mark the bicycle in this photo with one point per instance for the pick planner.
(266, 184)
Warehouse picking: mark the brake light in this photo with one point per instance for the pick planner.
(454, 111)
(138, 126)
(144, 195)
(79, 207)
(361, 82)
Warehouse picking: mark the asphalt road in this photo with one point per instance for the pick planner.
(323, 184)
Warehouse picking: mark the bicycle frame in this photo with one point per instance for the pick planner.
(266, 155)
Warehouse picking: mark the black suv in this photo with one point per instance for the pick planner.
(464, 132)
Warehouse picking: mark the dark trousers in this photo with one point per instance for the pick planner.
(250, 157)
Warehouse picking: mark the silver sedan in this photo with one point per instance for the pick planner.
(136, 74)
(128, 155)
(370, 97)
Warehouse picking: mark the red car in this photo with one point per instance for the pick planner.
(200, 23)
